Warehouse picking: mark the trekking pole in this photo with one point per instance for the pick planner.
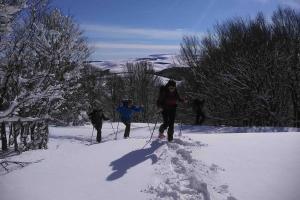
(92, 135)
(112, 127)
(148, 125)
(152, 130)
(117, 130)
(180, 128)
(180, 125)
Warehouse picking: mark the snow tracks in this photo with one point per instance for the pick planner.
(180, 177)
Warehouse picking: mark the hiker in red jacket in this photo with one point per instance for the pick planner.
(167, 102)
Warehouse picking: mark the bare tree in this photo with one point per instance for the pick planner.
(243, 70)
(40, 64)
(8, 11)
(286, 28)
(114, 93)
(142, 86)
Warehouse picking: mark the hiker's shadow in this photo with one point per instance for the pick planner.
(121, 165)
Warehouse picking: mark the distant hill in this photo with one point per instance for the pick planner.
(165, 65)
(176, 73)
(160, 62)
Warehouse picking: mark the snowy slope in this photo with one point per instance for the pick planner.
(249, 166)
(257, 166)
(159, 61)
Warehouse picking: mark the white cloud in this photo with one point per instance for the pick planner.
(263, 1)
(140, 32)
(107, 45)
(291, 3)
(133, 41)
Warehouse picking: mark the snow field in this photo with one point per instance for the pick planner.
(246, 166)
(182, 177)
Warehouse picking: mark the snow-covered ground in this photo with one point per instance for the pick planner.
(204, 163)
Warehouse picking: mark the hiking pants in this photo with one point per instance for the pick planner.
(168, 122)
(127, 128)
(98, 127)
(199, 115)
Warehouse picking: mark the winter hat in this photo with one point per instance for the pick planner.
(171, 83)
(126, 102)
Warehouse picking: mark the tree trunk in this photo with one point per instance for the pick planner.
(297, 118)
(296, 110)
(15, 135)
(3, 137)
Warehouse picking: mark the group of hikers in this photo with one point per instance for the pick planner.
(166, 103)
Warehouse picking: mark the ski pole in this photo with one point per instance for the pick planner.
(112, 127)
(152, 130)
(148, 125)
(157, 116)
(92, 135)
(180, 128)
(180, 125)
(117, 130)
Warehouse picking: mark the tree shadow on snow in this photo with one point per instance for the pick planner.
(121, 165)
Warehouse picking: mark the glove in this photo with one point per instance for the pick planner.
(159, 110)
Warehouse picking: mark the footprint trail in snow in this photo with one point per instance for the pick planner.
(180, 177)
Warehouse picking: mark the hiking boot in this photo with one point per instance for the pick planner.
(161, 136)
(170, 137)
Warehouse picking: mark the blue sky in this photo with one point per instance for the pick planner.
(122, 29)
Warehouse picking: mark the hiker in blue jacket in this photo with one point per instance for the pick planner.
(126, 111)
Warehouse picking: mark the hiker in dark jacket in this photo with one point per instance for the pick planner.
(198, 109)
(97, 116)
(167, 102)
(126, 111)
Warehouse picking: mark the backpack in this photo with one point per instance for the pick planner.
(161, 94)
(95, 116)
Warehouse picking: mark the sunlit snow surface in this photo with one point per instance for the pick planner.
(213, 163)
